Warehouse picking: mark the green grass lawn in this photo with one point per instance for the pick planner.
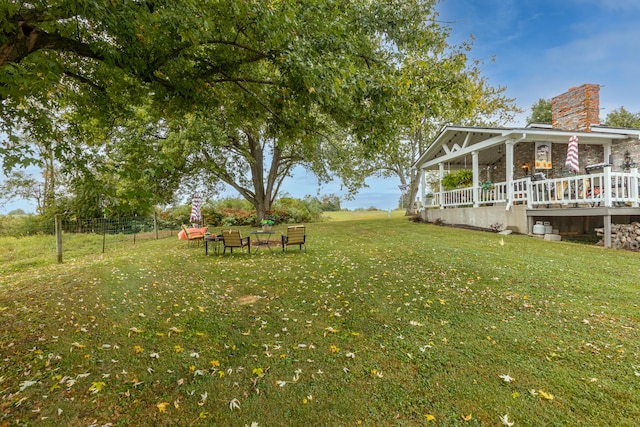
(381, 322)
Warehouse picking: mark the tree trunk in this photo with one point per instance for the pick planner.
(262, 195)
(48, 197)
(414, 185)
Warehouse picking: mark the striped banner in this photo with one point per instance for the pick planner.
(195, 209)
(572, 155)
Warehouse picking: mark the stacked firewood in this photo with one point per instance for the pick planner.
(623, 236)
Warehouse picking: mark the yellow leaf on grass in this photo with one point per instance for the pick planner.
(162, 406)
(96, 387)
(466, 417)
(429, 417)
(545, 395)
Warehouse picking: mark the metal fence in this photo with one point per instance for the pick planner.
(130, 229)
(31, 240)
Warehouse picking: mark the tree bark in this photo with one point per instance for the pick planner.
(27, 39)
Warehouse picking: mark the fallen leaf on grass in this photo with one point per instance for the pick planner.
(545, 395)
(96, 387)
(505, 420)
(234, 404)
(507, 378)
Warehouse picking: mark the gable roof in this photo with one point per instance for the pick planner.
(454, 144)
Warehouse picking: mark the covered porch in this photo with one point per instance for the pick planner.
(575, 199)
(509, 188)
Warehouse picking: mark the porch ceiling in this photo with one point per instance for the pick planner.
(462, 139)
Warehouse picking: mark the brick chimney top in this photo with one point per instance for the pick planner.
(577, 109)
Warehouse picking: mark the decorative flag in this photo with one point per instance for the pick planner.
(572, 155)
(195, 209)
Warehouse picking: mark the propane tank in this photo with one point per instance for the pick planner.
(538, 228)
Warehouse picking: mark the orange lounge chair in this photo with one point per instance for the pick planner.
(192, 234)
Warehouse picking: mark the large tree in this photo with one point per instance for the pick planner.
(291, 82)
(541, 112)
(623, 118)
(440, 89)
(19, 185)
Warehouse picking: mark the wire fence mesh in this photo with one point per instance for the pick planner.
(32, 240)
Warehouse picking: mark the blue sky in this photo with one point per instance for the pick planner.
(544, 47)
(537, 49)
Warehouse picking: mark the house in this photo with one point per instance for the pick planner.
(520, 176)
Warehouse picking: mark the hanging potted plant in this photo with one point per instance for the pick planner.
(459, 179)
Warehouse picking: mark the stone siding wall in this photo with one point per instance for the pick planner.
(619, 150)
(524, 152)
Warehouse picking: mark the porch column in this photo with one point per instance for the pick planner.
(509, 170)
(441, 188)
(607, 152)
(421, 185)
(607, 231)
(476, 175)
(633, 191)
(607, 187)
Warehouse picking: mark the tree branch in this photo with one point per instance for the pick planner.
(29, 39)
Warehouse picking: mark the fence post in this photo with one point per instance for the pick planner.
(104, 232)
(134, 228)
(155, 224)
(58, 223)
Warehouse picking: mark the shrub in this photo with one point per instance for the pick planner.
(496, 227)
(416, 218)
(290, 210)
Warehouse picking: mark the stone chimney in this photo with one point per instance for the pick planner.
(577, 109)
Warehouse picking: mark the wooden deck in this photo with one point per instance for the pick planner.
(574, 204)
(609, 189)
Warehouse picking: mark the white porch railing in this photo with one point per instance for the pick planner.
(599, 189)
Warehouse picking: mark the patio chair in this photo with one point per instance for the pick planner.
(193, 235)
(296, 235)
(233, 239)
